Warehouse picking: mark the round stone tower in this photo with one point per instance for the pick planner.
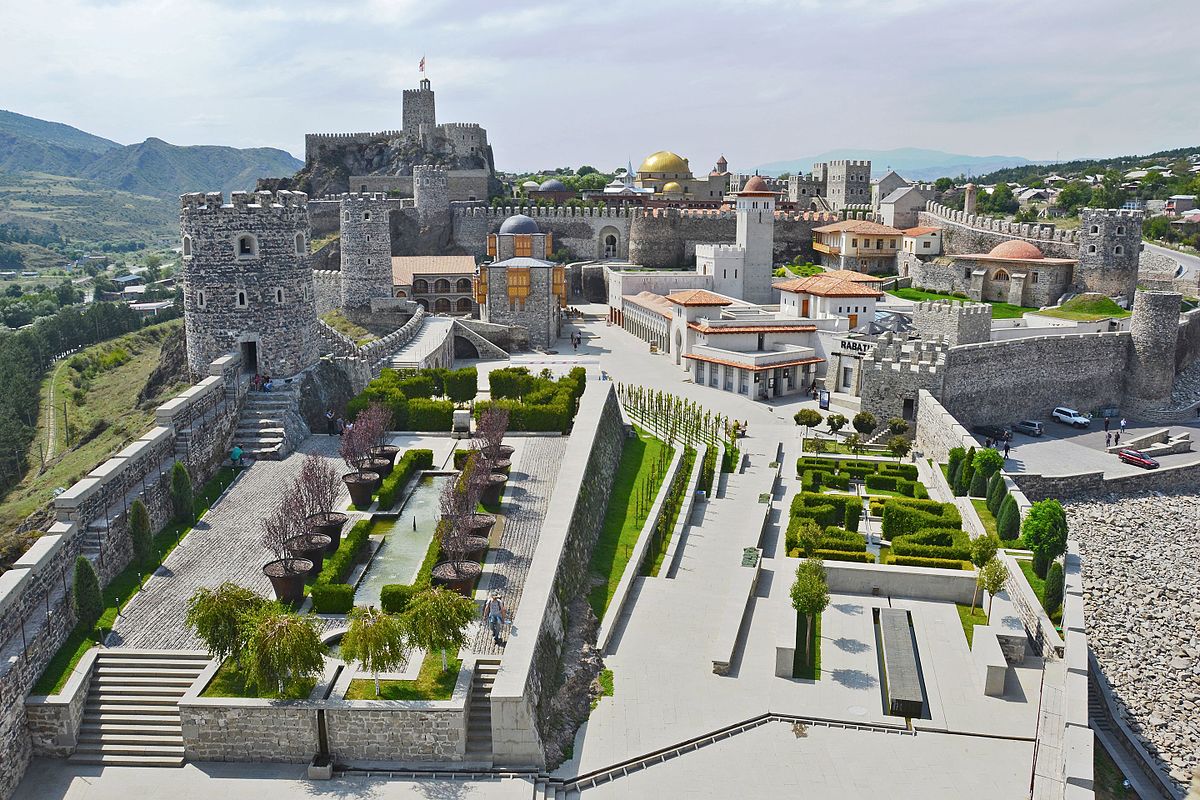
(1110, 245)
(1153, 329)
(654, 239)
(247, 283)
(431, 192)
(366, 246)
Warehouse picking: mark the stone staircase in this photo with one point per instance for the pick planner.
(545, 789)
(131, 716)
(479, 716)
(268, 426)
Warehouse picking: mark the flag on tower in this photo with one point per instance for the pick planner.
(421, 66)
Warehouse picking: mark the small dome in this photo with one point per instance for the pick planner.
(756, 184)
(519, 223)
(664, 161)
(671, 187)
(529, 185)
(1016, 248)
(553, 185)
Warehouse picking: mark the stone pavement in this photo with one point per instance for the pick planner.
(223, 546)
(530, 484)
(1062, 450)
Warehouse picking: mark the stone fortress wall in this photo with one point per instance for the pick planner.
(366, 249)
(964, 233)
(955, 323)
(36, 613)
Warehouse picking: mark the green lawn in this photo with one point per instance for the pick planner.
(659, 546)
(798, 270)
(121, 590)
(431, 684)
(970, 620)
(801, 670)
(1038, 585)
(351, 330)
(999, 310)
(1087, 308)
(232, 682)
(1110, 781)
(985, 516)
(627, 507)
(839, 448)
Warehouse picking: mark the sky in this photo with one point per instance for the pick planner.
(600, 83)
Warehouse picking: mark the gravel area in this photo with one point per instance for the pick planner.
(1142, 609)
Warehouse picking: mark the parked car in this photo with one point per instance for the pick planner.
(1137, 458)
(1069, 416)
(995, 432)
(1029, 427)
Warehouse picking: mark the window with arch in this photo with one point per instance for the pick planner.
(441, 286)
(279, 295)
(1118, 250)
(242, 301)
(1095, 229)
(187, 247)
(1120, 230)
(201, 300)
(247, 246)
(1091, 248)
(420, 286)
(463, 305)
(299, 244)
(463, 285)
(347, 216)
(1001, 275)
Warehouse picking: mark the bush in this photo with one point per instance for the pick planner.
(1008, 521)
(417, 386)
(462, 385)
(85, 592)
(906, 471)
(412, 461)
(182, 500)
(332, 598)
(337, 566)
(901, 518)
(995, 493)
(842, 555)
(978, 484)
(864, 422)
(957, 454)
(988, 461)
(430, 415)
(1052, 592)
(813, 480)
(824, 509)
(394, 597)
(915, 561)
(853, 516)
(139, 534)
(934, 543)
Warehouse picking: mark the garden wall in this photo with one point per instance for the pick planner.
(918, 583)
(937, 431)
(35, 613)
(557, 575)
(1081, 485)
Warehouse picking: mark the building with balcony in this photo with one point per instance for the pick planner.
(857, 245)
(521, 288)
(439, 284)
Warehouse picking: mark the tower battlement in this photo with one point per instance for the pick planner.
(242, 201)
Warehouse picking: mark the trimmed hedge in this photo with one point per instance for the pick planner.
(430, 415)
(853, 517)
(398, 391)
(841, 555)
(906, 471)
(395, 597)
(936, 563)
(901, 518)
(332, 598)
(812, 480)
(535, 403)
(896, 483)
(824, 509)
(412, 461)
(934, 543)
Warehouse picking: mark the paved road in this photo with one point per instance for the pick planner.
(1191, 263)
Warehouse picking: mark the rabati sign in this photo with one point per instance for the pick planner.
(855, 347)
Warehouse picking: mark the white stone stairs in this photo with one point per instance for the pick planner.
(479, 715)
(262, 429)
(131, 716)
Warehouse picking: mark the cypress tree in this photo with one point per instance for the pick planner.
(1008, 521)
(182, 500)
(995, 493)
(1052, 594)
(978, 484)
(85, 591)
(139, 532)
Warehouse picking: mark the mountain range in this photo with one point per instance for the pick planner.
(153, 167)
(913, 163)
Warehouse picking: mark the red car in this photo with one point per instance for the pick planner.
(1137, 459)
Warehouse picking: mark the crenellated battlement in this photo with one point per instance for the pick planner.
(1033, 231)
(351, 137)
(464, 127)
(365, 197)
(848, 163)
(504, 212)
(1113, 213)
(954, 307)
(242, 201)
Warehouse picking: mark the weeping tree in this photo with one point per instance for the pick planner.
(317, 486)
(437, 619)
(218, 616)
(375, 640)
(282, 647)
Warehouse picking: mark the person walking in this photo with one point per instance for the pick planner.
(1124, 422)
(1107, 439)
(1117, 439)
(494, 613)
(330, 423)
(1106, 422)
(1006, 449)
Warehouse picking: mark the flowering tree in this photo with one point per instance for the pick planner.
(284, 522)
(374, 420)
(356, 445)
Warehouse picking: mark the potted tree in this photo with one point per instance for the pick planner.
(457, 573)
(355, 451)
(286, 572)
(472, 482)
(457, 505)
(378, 418)
(317, 486)
(492, 425)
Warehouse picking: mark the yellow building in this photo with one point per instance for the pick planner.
(670, 176)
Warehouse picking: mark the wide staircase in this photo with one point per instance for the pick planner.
(131, 717)
(479, 717)
(262, 429)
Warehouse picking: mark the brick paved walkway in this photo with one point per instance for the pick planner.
(224, 546)
(525, 501)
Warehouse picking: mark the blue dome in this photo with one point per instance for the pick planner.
(553, 185)
(519, 223)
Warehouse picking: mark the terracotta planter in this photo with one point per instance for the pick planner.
(361, 486)
(502, 452)
(380, 465)
(287, 579)
(474, 547)
(309, 547)
(501, 465)
(330, 525)
(495, 485)
(388, 451)
(480, 524)
(457, 576)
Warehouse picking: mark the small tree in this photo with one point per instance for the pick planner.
(1052, 592)
(983, 550)
(978, 486)
(1045, 531)
(899, 447)
(991, 578)
(807, 536)
(317, 486)
(962, 482)
(809, 418)
(898, 426)
(836, 422)
(957, 454)
(1008, 521)
(995, 493)
(865, 423)
(988, 462)
(375, 640)
(285, 521)
(183, 502)
(853, 515)
(810, 597)
(491, 427)
(218, 616)
(372, 424)
(855, 443)
(282, 647)
(355, 447)
(85, 591)
(817, 445)
(139, 534)
(437, 619)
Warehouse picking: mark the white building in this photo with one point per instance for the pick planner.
(744, 269)
(830, 295)
(922, 241)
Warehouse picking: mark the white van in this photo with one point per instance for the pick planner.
(1069, 416)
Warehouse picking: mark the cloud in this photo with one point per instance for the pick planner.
(558, 83)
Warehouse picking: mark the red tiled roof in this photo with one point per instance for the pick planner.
(859, 226)
(919, 231)
(698, 297)
(852, 276)
(651, 302)
(822, 286)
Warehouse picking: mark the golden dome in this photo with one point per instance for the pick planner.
(671, 187)
(664, 161)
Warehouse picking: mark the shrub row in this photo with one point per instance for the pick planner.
(335, 570)
(915, 561)
(855, 468)
(824, 509)
(902, 517)
(410, 397)
(895, 483)
(842, 555)
(813, 479)
(412, 461)
(934, 543)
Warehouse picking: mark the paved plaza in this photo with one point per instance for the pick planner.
(1063, 450)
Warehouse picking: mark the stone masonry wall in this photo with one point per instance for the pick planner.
(227, 729)
(1187, 341)
(956, 323)
(387, 731)
(937, 431)
(968, 233)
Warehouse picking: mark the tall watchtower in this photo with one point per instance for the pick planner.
(366, 245)
(431, 193)
(1110, 245)
(247, 282)
(418, 115)
(1153, 329)
(755, 209)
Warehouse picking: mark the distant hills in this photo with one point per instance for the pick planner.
(913, 163)
(153, 167)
